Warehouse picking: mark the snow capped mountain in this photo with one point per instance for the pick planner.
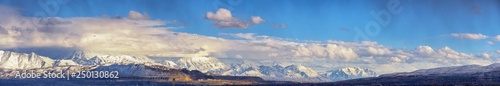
(299, 71)
(202, 64)
(64, 62)
(130, 65)
(242, 68)
(450, 70)
(13, 60)
(276, 71)
(273, 72)
(131, 70)
(100, 58)
(455, 75)
(348, 73)
(169, 63)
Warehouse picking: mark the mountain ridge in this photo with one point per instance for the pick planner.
(211, 65)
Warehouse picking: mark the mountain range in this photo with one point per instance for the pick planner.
(274, 71)
(208, 69)
(456, 75)
(141, 66)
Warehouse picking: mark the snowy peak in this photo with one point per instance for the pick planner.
(102, 58)
(356, 71)
(64, 62)
(136, 70)
(12, 60)
(274, 71)
(349, 73)
(202, 64)
(169, 63)
(301, 70)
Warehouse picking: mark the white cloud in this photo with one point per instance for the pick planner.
(257, 19)
(426, 50)
(137, 16)
(221, 15)
(485, 55)
(445, 52)
(490, 42)
(127, 36)
(332, 51)
(378, 51)
(224, 19)
(469, 36)
(497, 38)
(249, 36)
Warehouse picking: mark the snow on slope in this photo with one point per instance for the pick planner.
(13, 60)
(169, 63)
(152, 70)
(130, 70)
(274, 72)
(100, 58)
(64, 62)
(203, 64)
(450, 70)
(133, 65)
(299, 71)
(349, 73)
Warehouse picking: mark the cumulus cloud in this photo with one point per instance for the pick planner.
(257, 19)
(137, 16)
(224, 19)
(249, 36)
(378, 51)
(445, 54)
(126, 36)
(221, 15)
(469, 36)
(497, 38)
(362, 52)
(485, 55)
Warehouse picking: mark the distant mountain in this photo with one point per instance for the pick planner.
(101, 58)
(275, 72)
(467, 69)
(141, 66)
(128, 66)
(203, 64)
(456, 75)
(145, 70)
(349, 73)
(169, 63)
(300, 71)
(13, 60)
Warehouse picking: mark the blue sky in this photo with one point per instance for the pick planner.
(421, 22)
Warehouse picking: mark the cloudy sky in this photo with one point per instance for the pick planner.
(383, 35)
